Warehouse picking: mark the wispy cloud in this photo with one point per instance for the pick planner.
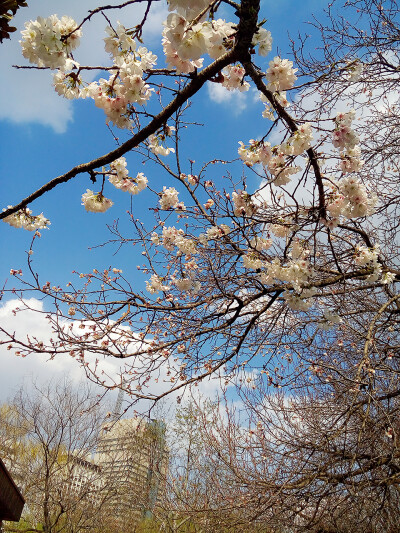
(236, 101)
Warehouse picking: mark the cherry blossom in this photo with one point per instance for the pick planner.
(95, 202)
(281, 75)
(24, 219)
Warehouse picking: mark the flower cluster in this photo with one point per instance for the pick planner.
(184, 43)
(213, 233)
(366, 256)
(24, 219)
(263, 39)
(260, 152)
(350, 199)
(256, 152)
(388, 277)
(67, 85)
(296, 273)
(279, 168)
(48, 42)
(118, 41)
(234, 78)
(120, 90)
(95, 202)
(297, 302)
(193, 180)
(329, 320)
(369, 257)
(156, 284)
(169, 236)
(282, 229)
(243, 204)
(260, 243)
(354, 71)
(299, 141)
(155, 142)
(121, 180)
(280, 97)
(169, 198)
(173, 237)
(188, 8)
(344, 137)
(187, 284)
(280, 75)
(351, 160)
(252, 260)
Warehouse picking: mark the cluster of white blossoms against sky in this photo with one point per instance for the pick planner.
(187, 39)
(48, 42)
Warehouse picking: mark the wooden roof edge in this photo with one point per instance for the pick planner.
(7, 473)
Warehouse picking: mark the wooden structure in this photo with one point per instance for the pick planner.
(11, 500)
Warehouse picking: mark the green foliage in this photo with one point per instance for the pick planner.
(8, 9)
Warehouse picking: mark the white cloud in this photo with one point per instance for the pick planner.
(31, 322)
(27, 96)
(235, 100)
(15, 370)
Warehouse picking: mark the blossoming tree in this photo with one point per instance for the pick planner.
(292, 282)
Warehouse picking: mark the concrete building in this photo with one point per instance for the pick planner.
(132, 457)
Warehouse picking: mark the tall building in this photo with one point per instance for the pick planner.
(132, 457)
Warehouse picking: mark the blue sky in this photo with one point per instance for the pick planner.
(43, 135)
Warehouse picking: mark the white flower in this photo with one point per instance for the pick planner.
(299, 141)
(332, 317)
(24, 219)
(388, 277)
(66, 85)
(186, 246)
(263, 39)
(281, 75)
(252, 260)
(257, 152)
(95, 202)
(131, 185)
(343, 136)
(296, 303)
(283, 229)
(169, 198)
(364, 256)
(43, 44)
(234, 78)
(353, 71)
(155, 239)
(184, 284)
(351, 160)
(156, 147)
(118, 40)
(260, 243)
(215, 232)
(170, 235)
(243, 204)
(156, 284)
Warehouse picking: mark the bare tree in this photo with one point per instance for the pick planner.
(48, 437)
